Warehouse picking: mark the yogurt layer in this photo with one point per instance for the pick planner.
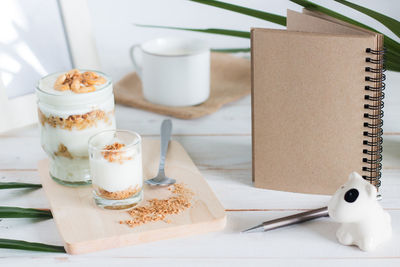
(115, 176)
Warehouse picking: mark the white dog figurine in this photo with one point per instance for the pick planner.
(364, 222)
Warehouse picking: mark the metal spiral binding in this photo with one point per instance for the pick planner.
(374, 114)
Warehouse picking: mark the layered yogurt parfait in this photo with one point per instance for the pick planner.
(116, 169)
(72, 107)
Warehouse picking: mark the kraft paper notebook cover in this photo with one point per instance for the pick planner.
(316, 104)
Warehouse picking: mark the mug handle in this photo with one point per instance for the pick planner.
(137, 63)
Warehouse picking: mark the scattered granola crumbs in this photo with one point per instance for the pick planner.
(112, 153)
(78, 82)
(158, 209)
(79, 122)
(123, 194)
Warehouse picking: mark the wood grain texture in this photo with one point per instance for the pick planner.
(86, 228)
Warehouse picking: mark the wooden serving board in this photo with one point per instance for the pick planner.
(86, 228)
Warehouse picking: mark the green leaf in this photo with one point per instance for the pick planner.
(24, 245)
(389, 43)
(391, 58)
(389, 22)
(312, 6)
(18, 185)
(281, 20)
(393, 48)
(394, 66)
(230, 50)
(392, 52)
(15, 212)
(241, 34)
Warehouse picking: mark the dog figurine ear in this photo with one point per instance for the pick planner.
(354, 176)
(371, 191)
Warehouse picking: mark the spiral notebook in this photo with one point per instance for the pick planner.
(316, 104)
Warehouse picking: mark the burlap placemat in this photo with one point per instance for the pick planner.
(230, 80)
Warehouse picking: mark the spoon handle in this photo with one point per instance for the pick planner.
(166, 128)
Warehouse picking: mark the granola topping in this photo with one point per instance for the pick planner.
(123, 194)
(63, 152)
(112, 153)
(158, 209)
(78, 82)
(79, 122)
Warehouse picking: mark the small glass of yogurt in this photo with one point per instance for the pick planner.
(116, 168)
(73, 106)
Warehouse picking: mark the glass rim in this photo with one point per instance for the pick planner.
(126, 147)
(108, 83)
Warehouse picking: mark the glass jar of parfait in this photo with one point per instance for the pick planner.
(72, 107)
(116, 168)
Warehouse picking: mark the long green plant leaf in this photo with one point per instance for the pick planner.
(18, 185)
(390, 23)
(16, 212)
(392, 56)
(241, 34)
(394, 66)
(281, 20)
(24, 245)
(393, 47)
(312, 6)
(389, 43)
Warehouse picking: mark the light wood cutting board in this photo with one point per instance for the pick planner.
(86, 228)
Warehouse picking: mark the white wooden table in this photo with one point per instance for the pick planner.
(220, 145)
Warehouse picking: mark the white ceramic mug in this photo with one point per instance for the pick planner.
(173, 71)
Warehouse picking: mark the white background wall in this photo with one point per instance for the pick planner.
(32, 44)
(114, 30)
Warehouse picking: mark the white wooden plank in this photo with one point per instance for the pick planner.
(232, 187)
(310, 240)
(204, 261)
(231, 152)
(20, 152)
(216, 152)
(28, 198)
(315, 239)
(390, 189)
(231, 119)
(235, 190)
